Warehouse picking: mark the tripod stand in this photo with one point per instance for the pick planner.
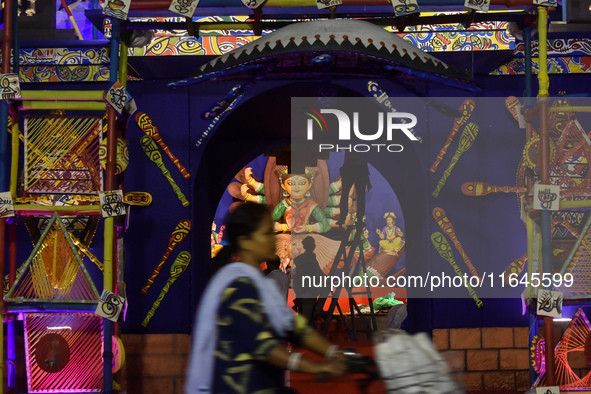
(346, 253)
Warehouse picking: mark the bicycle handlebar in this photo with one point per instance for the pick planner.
(356, 364)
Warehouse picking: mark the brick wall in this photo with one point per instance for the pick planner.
(155, 363)
(486, 359)
(495, 358)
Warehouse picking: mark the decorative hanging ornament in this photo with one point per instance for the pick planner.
(122, 155)
(531, 153)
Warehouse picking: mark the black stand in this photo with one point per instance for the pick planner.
(350, 269)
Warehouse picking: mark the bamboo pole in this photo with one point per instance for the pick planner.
(15, 153)
(543, 97)
(35, 209)
(64, 105)
(574, 204)
(72, 95)
(7, 38)
(569, 108)
(110, 221)
(69, 12)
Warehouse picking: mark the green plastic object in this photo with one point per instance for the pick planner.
(385, 301)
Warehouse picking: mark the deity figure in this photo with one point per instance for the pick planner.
(216, 238)
(299, 212)
(303, 204)
(391, 236)
(297, 215)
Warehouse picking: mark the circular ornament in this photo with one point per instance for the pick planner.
(118, 354)
(537, 354)
(122, 155)
(52, 353)
(531, 153)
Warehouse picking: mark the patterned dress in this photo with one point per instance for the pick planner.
(244, 338)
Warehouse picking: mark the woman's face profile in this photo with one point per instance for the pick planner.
(263, 240)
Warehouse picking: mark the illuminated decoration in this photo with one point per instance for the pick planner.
(64, 64)
(573, 340)
(118, 354)
(147, 126)
(556, 65)
(328, 3)
(557, 120)
(514, 268)
(571, 171)
(184, 45)
(253, 3)
(81, 227)
(564, 56)
(532, 150)
(9, 86)
(482, 36)
(453, 41)
(466, 140)
(382, 97)
(229, 100)
(546, 3)
(405, 7)
(545, 197)
(211, 126)
(176, 270)
(549, 303)
(54, 272)
(447, 227)
(566, 224)
(88, 253)
(110, 305)
(6, 205)
(151, 150)
(55, 199)
(120, 99)
(112, 203)
(466, 110)
(444, 249)
(477, 189)
(141, 199)
(61, 154)
(117, 8)
(478, 5)
(52, 353)
(179, 233)
(122, 155)
(578, 263)
(351, 39)
(63, 56)
(557, 47)
(63, 352)
(71, 64)
(183, 7)
(513, 106)
(82, 73)
(537, 352)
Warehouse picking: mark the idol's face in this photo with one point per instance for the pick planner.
(297, 186)
(390, 221)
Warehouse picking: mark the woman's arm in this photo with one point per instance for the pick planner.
(280, 357)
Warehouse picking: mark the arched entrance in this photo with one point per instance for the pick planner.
(262, 123)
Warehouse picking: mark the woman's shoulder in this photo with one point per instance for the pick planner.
(242, 287)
